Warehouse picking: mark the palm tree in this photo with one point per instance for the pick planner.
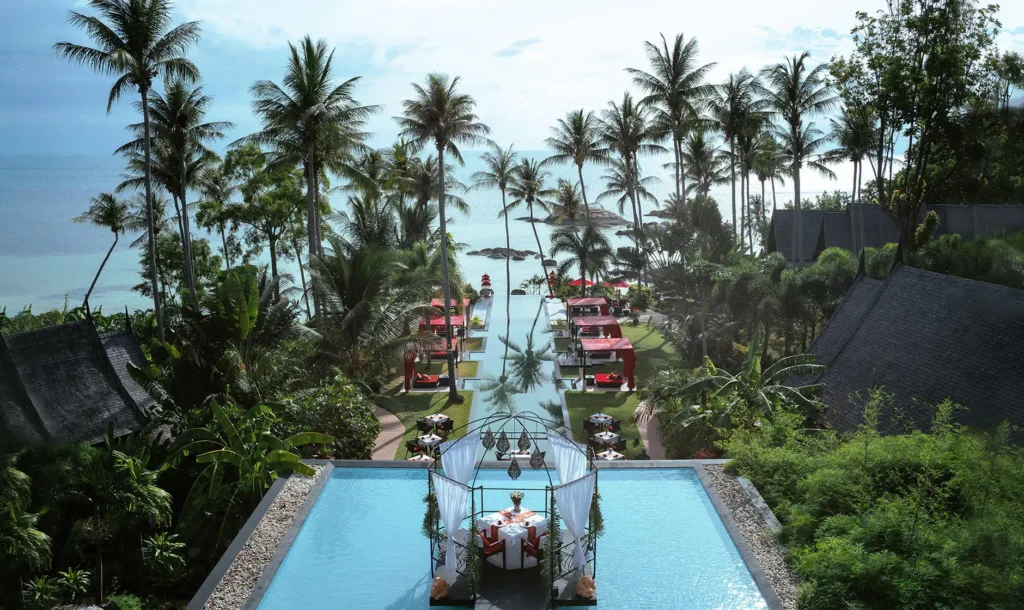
(567, 201)
(528, 362)
(622, 184)
(577, 138)
(853, 134)
(440, 114)
(625, 129)
(216, 188)
(177, 126)
(794, 92)
(675, 86)
(111, 213)
(500, 174)
(588, 250)
(314, 122)
(770, 165)
(135, 44)
(368, 305)
(704, 163)
(730, 109)
(528, 189)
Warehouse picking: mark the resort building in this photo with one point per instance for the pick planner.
(69, 384)
(866, 225)
(924, 337)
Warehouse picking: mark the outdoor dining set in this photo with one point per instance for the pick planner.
(434, 430)
(605, 437)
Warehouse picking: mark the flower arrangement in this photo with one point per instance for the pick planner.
(517, 497)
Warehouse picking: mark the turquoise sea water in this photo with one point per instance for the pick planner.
(664, 546)
(44, 256)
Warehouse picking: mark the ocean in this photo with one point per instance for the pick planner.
(45, 257)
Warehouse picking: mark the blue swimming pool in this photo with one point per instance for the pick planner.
(664, 547)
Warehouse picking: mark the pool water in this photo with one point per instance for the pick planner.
(664, 546)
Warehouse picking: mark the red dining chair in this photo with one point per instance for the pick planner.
(531, 546)
(493, 547)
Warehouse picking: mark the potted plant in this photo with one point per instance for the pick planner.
(517, 499)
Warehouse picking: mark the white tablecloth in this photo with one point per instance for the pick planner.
(513, 534)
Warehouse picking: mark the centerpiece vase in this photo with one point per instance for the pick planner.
(515, 507)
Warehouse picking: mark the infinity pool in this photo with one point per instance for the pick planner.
(664, 547)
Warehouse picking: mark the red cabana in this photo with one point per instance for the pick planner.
(600, 302)
(622, 348)
(608, 323)
(580, 283)
(618, 284)
(437, 323)
(437, 302)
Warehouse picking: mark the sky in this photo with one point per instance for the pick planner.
(526, 62)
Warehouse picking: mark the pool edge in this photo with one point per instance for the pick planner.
(768, 593)
(258, 591)
(760, 578)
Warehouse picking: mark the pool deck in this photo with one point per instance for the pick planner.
(233, 579)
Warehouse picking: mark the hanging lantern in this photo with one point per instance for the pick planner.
(503, 445)
(488, 439)
(513, 470)
(524, 441)
(537, 459)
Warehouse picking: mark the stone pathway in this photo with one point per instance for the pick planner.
(390, 437)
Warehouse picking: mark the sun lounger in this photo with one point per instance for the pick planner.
(611, 380)
(425, 381)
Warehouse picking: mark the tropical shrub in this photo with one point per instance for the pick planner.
(339, 410)
(921, 520)
(641, 297)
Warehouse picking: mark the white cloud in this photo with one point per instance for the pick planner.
(551, 56)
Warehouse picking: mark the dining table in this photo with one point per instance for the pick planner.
(606, 438)
(601, 419)
(512, 527)
(610, 456)
(429, 440)
(437, 418)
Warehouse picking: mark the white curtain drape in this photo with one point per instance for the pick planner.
(574, 506)
(458, 458)
(570, 458)
(451, 502)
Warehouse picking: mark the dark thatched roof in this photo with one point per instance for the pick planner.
(924, 337)
(842, 228)
(59, 384)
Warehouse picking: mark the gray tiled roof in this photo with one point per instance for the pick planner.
(979, 220)
(122, 348)
(58, 384)
(924, 337)
(780, 238)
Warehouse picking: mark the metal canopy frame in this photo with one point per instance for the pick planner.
(533, 428)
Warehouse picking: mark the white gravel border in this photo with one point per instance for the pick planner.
(770, 554)
(241, 578)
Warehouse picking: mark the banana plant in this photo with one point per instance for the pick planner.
(242, 457)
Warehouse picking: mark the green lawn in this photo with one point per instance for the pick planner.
(440, 367)
(473, 344)
(561, 344)
(653, 354)
(416, 405)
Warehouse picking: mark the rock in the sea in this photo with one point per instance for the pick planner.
(518, 292)
(659, 214)
(501, 253)
(599, 217)
(550, 262)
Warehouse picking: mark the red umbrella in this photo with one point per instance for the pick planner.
(618, 284)
(580, 283)
(486, 277)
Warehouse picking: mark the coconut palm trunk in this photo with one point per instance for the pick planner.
(682, 172)
(149, 215)
(186, 240)
(311, 228)
(798, 238)
(678, 160)
(453, 392)
(536, 236)
(224, 244)
(732, 173)
(102, 265)
(302, 276)
(583, 189)
(743, 215)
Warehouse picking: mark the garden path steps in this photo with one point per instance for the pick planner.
(390, 438)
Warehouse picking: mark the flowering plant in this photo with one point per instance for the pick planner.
(517, 496)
